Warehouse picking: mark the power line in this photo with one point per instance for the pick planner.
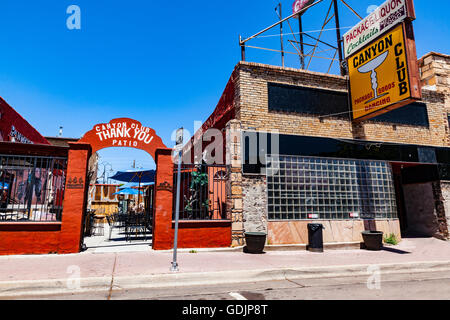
(304, 32)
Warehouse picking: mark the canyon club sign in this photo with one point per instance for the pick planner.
(123, 132)
(384, 18)
(382, 76)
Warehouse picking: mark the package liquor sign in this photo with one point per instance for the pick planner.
(382, 75)
(384, 18)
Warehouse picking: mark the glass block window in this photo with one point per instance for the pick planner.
(300, 188)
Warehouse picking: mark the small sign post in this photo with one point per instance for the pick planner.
(179, 150)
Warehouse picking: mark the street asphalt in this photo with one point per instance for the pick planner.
(420, 286)
(133, 273)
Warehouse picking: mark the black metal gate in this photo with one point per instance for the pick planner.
(32, 188)
(203, 192)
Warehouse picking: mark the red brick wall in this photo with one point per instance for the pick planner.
(75, 200)
(204, 234)
(192, 234)
(162, 219)
(29, 238)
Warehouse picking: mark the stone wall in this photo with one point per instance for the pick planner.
(441, 213)
(255, 203)
(234, 183)
(435, 71)
(445, 192)
(420, 209)
(435, 75)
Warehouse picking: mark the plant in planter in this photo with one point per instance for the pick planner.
(198, 200)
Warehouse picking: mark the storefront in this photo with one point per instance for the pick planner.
(26, 179)
(296, 157)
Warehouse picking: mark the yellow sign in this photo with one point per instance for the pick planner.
(379, 75)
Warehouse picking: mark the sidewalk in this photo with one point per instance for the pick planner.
(104, 271)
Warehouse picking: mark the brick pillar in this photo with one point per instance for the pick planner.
(435, 71)
(75, 197)
(163, 201)
(234, 184)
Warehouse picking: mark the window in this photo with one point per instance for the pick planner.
(307, 100)
(326, 188)
(322, 102)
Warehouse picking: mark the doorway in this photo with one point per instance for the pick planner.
(416, 198)
(119, 215)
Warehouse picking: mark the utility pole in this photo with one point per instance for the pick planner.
(280, 14)
(179, 150)
(338, 35)
(242, 48)
(302, 50)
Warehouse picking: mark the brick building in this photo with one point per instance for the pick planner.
(14, 128)
(296, 157)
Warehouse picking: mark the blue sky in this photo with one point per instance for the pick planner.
(164, 63)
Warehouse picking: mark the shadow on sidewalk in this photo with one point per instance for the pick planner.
(395, 250)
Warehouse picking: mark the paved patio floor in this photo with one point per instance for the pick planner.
(118, 243)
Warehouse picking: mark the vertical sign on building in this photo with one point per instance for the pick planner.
(382, 61)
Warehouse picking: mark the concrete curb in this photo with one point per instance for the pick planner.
(106, 284)
(280, 247)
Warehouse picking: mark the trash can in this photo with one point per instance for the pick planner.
(315, 237)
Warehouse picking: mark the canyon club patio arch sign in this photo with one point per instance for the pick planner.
(123, 132)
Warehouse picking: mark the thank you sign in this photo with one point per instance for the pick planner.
(123, 132)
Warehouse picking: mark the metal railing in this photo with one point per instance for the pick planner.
(203, 192)
(31, 188)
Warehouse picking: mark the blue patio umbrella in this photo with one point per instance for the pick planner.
(128, 191)
(135, 184)
(136, 175)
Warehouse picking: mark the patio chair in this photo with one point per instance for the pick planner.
(98, 227)
(135, 225)
(121, 220)
(149, 222)
(112, 224)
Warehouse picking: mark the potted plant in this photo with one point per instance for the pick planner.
(373, 240)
